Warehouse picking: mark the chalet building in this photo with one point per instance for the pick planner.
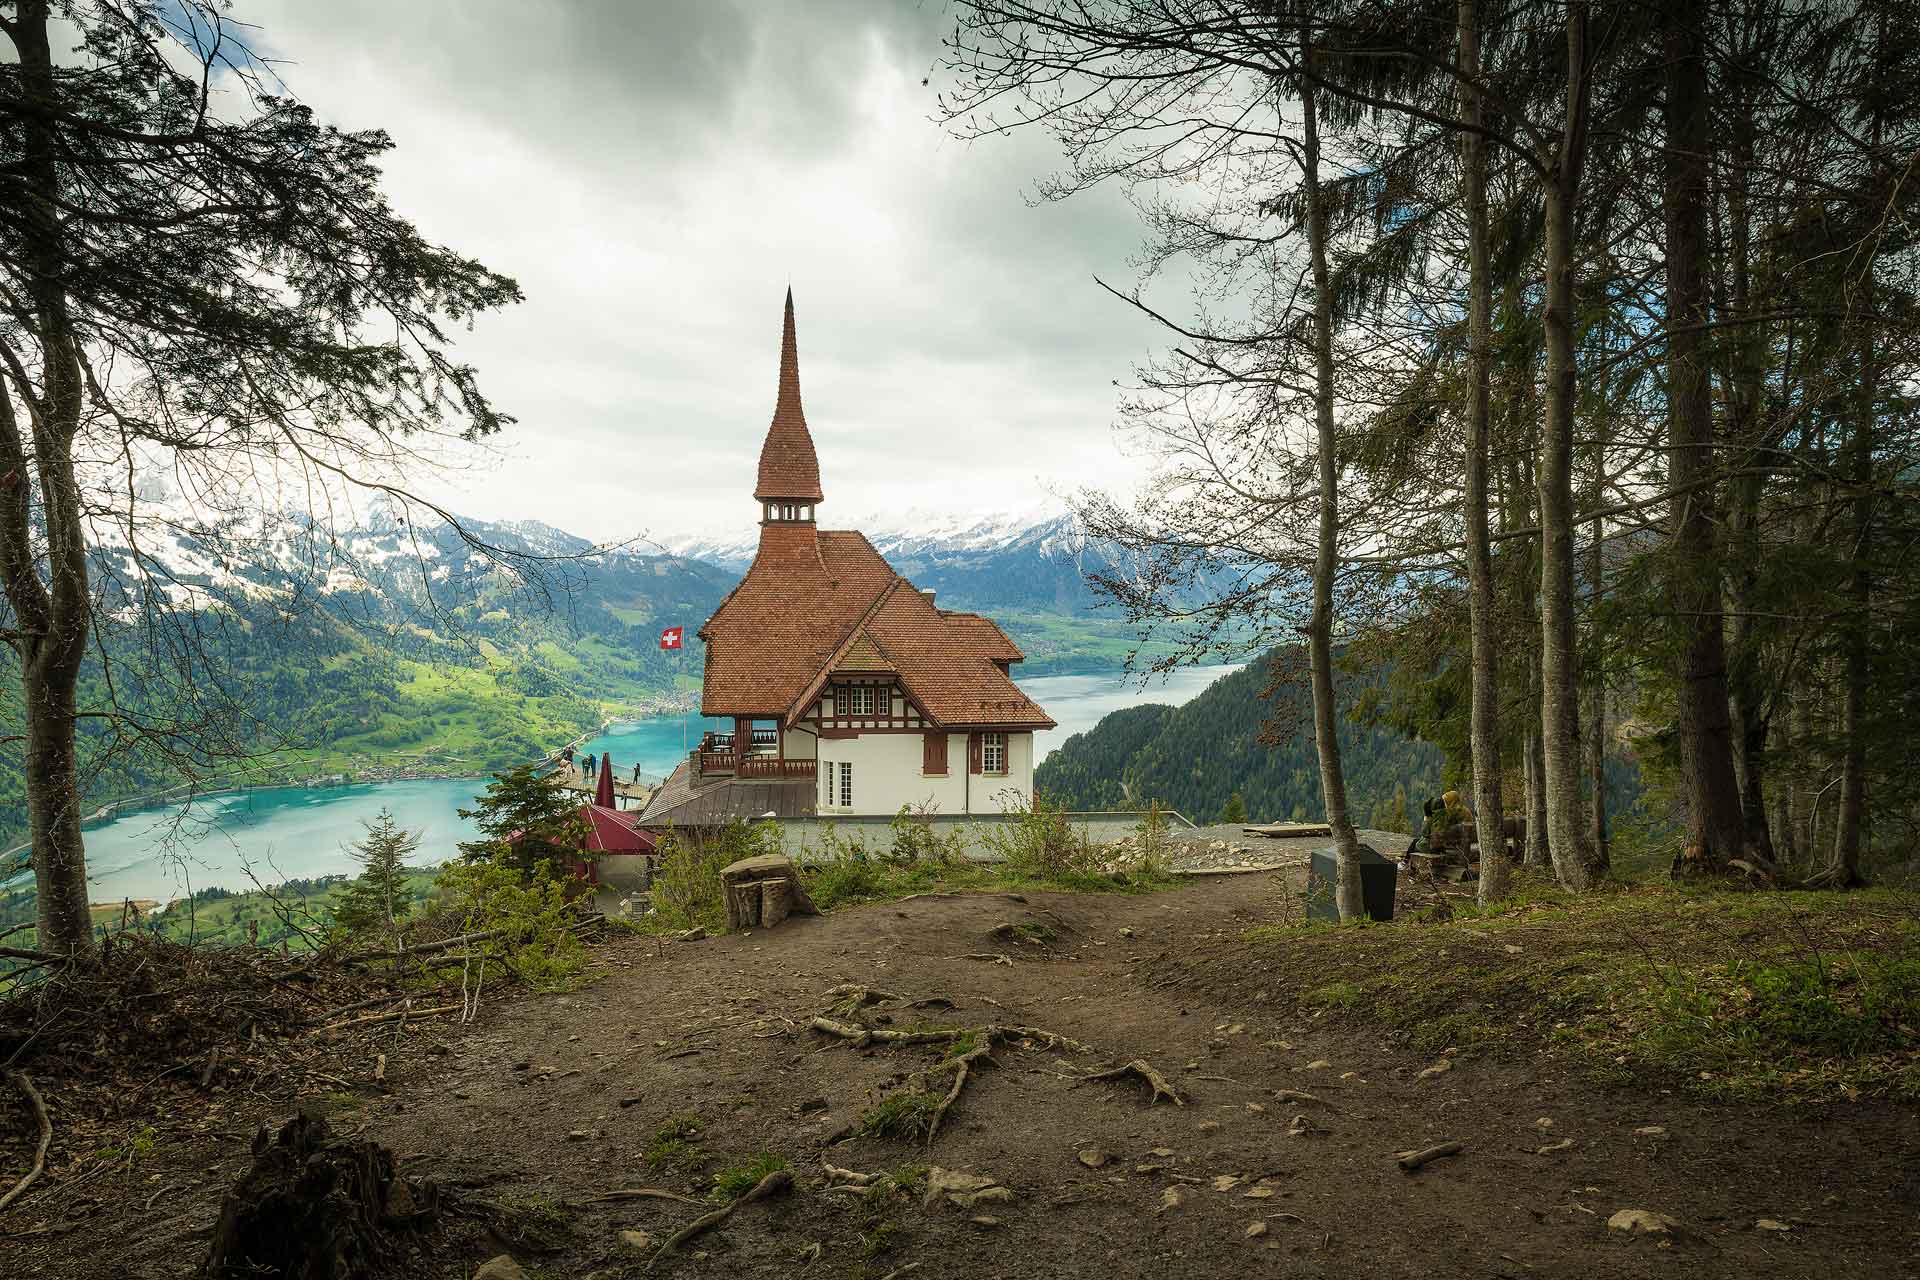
(849, 692)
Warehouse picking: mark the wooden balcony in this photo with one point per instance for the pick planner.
(716, 757)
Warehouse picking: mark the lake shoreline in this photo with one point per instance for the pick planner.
(159, 846)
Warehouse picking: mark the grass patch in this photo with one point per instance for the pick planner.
(731, 1184)
(905, 1114)
(674, 1145)
(1797, 996)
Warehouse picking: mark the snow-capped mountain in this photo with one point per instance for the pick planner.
(383, 560)
(1026, 561)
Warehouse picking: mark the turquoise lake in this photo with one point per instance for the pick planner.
(283, 833)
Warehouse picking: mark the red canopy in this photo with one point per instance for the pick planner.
(611, 831)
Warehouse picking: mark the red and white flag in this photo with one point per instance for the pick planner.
(670, 638)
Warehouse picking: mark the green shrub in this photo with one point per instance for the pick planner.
(531, 911)
(1039, 843)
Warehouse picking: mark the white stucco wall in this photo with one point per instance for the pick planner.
(887, 774)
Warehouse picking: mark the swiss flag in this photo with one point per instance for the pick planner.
(670, 638)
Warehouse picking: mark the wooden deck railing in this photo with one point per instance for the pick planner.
(715, 757)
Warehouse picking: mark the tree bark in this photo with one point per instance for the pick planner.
(1705, 730)
(1482, 620)
(1746, 390)
(1843, 866)
(1573, 858)
(1333, 783)
(53, 615)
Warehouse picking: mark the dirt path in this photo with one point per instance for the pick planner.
(550, 1100)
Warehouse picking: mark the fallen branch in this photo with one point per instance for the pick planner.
(389, 1016)
(447, 944)
(640, 1193)
(1411, 1160)
(1154, 1080)
(771, 1185)
(39, 1108)
(392, 997)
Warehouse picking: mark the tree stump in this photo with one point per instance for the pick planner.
(763, 891)
(776, 902)
(312, 1208)
(743, 905)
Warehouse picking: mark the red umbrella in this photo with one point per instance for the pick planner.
(603, 794)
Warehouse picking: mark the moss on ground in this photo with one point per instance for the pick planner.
(675, 1144)
(1784, 996)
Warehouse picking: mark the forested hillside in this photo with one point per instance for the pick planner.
(279, 679)
(1192, 758)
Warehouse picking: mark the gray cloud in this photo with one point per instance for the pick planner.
(655, 174)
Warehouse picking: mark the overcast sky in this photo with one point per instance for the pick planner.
(655, 173)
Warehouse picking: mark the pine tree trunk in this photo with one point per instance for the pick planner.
(1595, 715)
(1843, 866)
(1333, 784)
(1481, 617)
(1573, 858)
(1714, 822)
(53, 616)
(1746, 392)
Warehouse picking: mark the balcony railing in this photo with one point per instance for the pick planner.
(716, 757)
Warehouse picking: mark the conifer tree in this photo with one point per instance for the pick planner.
(376, 900)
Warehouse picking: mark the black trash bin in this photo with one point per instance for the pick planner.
(1376, 884)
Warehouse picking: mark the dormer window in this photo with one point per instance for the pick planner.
(861, 700)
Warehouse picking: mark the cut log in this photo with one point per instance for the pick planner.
(1289, 830)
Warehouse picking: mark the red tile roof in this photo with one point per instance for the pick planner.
(803, 594)
(992, 641)
(788, 466)
(798, 617)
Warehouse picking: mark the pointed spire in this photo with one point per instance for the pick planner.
(603, 793)
(789, 469)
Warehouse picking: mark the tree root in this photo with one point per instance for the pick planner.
(962, 1066)
(772, 1185)
(640, 1193)
(863, 1036)
(1154, 1080)
(1411, 1160)
(39, 1108)
(851, 997)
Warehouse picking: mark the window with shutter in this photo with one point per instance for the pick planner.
(934, 754)
(993, 753)
(973, 753)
